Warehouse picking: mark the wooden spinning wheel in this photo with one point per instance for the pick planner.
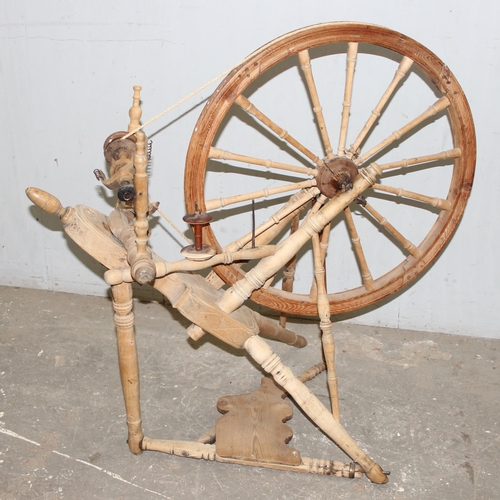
(422, 140)
(407, 173)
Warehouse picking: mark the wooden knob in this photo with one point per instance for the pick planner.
(47, 202)
(135, 112)
(143, 271)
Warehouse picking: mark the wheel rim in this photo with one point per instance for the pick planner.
(371, 39)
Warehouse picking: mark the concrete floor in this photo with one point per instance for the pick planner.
(424, 406)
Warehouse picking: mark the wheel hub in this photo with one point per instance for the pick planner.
(336, 176)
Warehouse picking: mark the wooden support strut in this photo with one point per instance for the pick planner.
(289, 271)
(327, 341)
(128, 362)
(194, 449)
(262, 353)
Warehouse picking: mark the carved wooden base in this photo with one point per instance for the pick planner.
(252, 432)
(253, 427)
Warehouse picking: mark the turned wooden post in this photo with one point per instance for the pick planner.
(139, 256)
(128, 361)
(326, 326)
(289, 271)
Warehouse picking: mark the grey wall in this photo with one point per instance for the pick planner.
(67, 69)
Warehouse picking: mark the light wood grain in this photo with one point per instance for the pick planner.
(407, 244)
(128, 362)
(432, 110)
(352, 54)
(429, 200)
(443, 155)
(403, 68)
(251, 109)
(289, 271)
(140, 256)
(310, 404)
(366, 275)
(256, 195)
(220, 154)
(305, 65)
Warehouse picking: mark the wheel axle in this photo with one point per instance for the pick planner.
(336, 176)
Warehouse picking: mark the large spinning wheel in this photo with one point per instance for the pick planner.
(370, 215)
(293, 101)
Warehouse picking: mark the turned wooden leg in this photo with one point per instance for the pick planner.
(262, 353)
(325, 325)
(129, 364)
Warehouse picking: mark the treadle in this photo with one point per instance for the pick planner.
(252, 426)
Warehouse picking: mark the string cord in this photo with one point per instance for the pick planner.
(171, 222)
(173, 106)
(184, 99)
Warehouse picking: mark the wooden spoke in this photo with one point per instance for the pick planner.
(403, 68)
(305, 64)
(251, 109)
(430, 200)
(289, 272)
(438, 106)
(443, 155)
(316, 205)
(255, 195)
(266, 231)
(268, 282)
(352, 54)
(366, 275)
(220, 154)
(407, 244)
